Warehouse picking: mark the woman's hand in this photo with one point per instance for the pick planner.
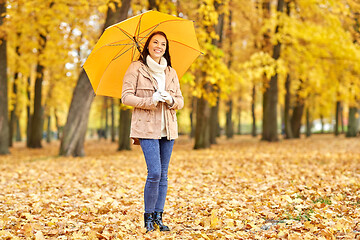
(167, 97)
(157, 97)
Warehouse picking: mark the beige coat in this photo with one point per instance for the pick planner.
(137, 91)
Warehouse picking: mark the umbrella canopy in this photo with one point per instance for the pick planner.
(120, 43)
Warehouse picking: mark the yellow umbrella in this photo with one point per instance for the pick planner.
(120, 43)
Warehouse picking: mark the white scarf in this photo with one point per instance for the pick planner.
(158, 71)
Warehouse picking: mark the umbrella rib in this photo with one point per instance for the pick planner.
(126, 34)
(116, 44)
(181, 44)
(133, 54)
(155, 26)
(113, 44)
(186, 46)
(117, 56)
(138, 26)
(142, 38)
(113, 60)
(129, 36)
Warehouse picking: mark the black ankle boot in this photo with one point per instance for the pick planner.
(149, 221)
(158, 221)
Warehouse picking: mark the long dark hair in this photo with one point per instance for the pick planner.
(145, 51)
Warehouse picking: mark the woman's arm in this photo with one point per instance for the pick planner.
(129, 89)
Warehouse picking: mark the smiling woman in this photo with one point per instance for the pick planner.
(152, 87)
(157, 47)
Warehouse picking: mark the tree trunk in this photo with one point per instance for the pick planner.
(193, 110)
(353, 122)
(73, 138)
(342, 120)
(36, 129)
(48, 132)
(57, 123)
(308, 123)
(28, 112)
(297, 113)
(271, 95)
(18, 130)
(153, 5)
(266, 44)
(287, 124)
(270, 112)
(214, 110)
(37, 118)
(229, 122)
(12, 123)
(13, 116)
(112, 121)
(296, 119)
(337, 118)
(72, 141)
(202, 139)
(322, 123)
(253, 129)
(288, 131)
(282, 120)
(106, 109)
(124, 129)
(265, 47)
(101, 130)
(4, 120)
(214, 122)
(239, 122)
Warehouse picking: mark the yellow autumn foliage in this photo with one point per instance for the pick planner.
(319, 49)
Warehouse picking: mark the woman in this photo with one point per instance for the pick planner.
(152, 87)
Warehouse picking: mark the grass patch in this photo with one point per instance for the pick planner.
(325, 200)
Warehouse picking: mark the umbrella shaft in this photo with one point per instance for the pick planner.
(137, 45)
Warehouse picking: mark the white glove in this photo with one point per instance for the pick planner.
(167, 97)
(157, 98)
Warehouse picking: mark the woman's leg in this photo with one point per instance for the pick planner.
(166, 148)
(151, 150)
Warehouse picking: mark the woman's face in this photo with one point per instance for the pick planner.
(157, 47)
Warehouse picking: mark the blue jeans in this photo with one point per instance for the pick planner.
(157, 153)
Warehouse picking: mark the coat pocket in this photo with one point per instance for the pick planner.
(173, 115)
(143, 121)
(173, 126)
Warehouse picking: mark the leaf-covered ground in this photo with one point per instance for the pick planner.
(239, 189)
